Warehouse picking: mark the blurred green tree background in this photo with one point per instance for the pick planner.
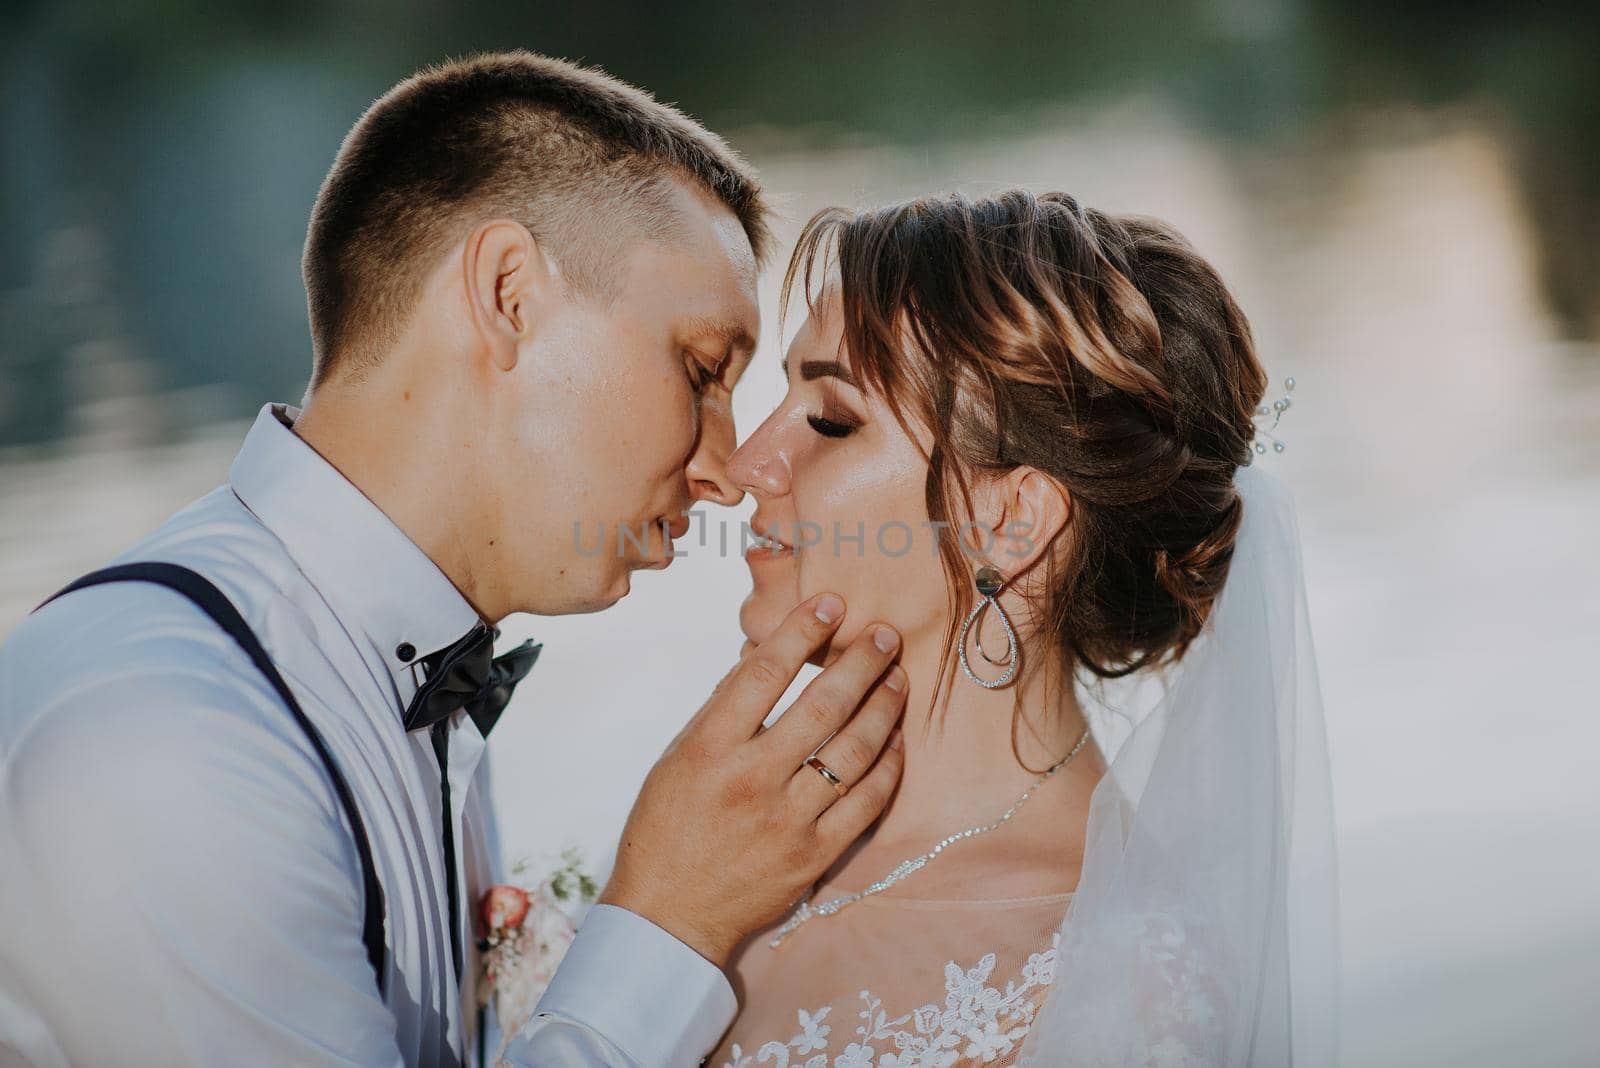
(160, 158)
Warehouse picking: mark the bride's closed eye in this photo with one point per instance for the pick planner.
(831, 428)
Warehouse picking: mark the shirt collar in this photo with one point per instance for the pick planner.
(374, 576)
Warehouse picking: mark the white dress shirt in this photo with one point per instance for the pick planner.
(178, 884)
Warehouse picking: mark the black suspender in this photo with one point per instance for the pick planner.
(212, 601)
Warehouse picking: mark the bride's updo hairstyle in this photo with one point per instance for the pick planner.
(1102, 350)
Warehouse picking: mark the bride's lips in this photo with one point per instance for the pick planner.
(759, 552)
(769, 548)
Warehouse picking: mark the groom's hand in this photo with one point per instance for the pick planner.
(732, 825)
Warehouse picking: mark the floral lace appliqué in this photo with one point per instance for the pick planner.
(977, 1024)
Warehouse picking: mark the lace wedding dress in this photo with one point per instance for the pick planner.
(894, 982)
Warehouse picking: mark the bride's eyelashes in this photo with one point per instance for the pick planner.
(834, 420)
(831, 428)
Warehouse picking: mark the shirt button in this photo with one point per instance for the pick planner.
(406, 652)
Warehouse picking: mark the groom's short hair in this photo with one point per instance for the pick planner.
(583, 160)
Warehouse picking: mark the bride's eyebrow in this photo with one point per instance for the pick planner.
(814, 369)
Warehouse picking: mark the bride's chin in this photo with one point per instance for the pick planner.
(758, 619)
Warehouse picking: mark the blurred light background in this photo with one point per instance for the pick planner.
(1405, 196)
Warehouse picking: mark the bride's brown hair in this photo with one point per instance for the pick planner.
(1101, 350)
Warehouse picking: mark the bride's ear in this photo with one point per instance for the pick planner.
(1030, 509)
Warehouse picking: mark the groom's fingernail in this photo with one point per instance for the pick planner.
(829, 608)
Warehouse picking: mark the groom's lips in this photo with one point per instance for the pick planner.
(675, 528)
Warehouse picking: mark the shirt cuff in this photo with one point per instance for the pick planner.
(647, 993)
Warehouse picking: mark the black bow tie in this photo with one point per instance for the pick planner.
(468, 675)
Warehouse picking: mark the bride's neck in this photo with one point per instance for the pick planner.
(968, 758)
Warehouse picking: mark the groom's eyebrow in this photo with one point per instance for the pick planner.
(733, 336)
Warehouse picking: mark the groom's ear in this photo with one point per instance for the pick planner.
(507, 277)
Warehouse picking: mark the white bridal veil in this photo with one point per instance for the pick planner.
(1204, 928)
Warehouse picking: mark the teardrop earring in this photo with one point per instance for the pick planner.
(977, 639)
(989, 584)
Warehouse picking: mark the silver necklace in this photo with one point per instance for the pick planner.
(805, 911)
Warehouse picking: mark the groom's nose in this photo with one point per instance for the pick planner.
(718, 490)
(707, 469)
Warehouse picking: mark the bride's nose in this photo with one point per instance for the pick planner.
(759, 466)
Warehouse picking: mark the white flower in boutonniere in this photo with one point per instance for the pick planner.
(526, 932)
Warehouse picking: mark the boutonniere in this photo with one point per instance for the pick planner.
(526, 929)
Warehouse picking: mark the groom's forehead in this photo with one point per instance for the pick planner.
(708, 286)
(706, 231)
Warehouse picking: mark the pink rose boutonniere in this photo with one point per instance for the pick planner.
(526, 931)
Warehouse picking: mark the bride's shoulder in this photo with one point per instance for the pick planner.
(1021, 870)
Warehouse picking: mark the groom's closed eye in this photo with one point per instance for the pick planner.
(703, 370)
(719, 343)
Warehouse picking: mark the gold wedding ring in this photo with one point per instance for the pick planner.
(827, 773)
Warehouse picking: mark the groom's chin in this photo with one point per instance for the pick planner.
(597, 598)
(619, 589)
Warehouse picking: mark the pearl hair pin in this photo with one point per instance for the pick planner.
(1264, 429)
